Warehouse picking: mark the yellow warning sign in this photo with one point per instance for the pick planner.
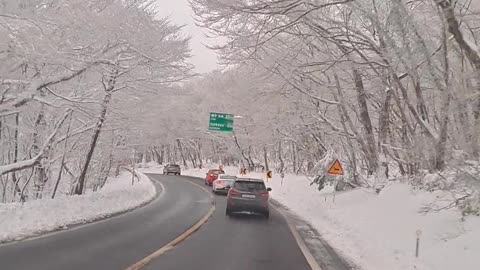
(335, 168)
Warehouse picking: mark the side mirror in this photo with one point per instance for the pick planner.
(269, 189)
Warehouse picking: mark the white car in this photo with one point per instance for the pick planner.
(223, 183)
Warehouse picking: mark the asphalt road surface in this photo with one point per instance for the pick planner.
(238, 243)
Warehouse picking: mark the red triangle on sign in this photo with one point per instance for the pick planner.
(335, 168)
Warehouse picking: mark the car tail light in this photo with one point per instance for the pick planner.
(233, 192)
(264, 194)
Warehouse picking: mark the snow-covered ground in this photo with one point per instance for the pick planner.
(18, 221)
(378, 231)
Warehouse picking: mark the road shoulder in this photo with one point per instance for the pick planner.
(326, 258)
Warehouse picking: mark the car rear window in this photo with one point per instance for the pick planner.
(217, 171)
(227, 182)
(249, 186)
(227, 177)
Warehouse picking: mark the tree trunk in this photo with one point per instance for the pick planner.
(193, 158)
(473, 55)
(15, 157)
(162, 155)
(175, 153)
(442, 140)
(251, 164)
(181, 153)
(40, 175)
(294, 157)
(280, 157)
(346, 117)
(199, 154)
(241, 150)
(96, 133)
(265, 157)
(62, 162)
(366, 121)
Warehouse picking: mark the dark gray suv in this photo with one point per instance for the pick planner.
(171, 169)
(248, 195)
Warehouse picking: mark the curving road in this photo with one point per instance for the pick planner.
(117, 243)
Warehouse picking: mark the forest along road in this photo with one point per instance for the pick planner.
(225, 243)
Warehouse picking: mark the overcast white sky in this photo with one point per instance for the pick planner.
(179, 11)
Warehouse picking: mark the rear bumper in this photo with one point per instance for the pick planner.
(220, 190)
(238, 205)
(210, 182)
(175, 172)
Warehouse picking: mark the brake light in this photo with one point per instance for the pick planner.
(232, 192)
(264, 194)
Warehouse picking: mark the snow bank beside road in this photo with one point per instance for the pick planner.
(18, 221)
(378, 231)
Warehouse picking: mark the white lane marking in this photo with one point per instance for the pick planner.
(301, 244)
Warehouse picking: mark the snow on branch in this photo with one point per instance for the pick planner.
(17, 166)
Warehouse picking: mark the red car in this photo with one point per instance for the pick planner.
(212, 175)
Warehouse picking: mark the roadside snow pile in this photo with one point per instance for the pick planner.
(201, 173)
(150, 167)
(378, 231)
(19, 221)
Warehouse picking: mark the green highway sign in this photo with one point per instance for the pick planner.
(221, 122)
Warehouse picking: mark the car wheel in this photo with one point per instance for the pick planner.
(228, 212)
(267, 214)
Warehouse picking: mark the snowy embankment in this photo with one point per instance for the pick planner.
(19, 221)
(378, 231)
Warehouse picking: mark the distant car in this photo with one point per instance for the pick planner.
(223, 183)
(212, 175)
(172, 169)
(248, 195)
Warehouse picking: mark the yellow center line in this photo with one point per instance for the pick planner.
(143, 262)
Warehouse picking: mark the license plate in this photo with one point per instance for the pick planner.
(248, 196)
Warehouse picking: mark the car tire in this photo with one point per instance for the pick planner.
(267, 214)
(228, 212)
